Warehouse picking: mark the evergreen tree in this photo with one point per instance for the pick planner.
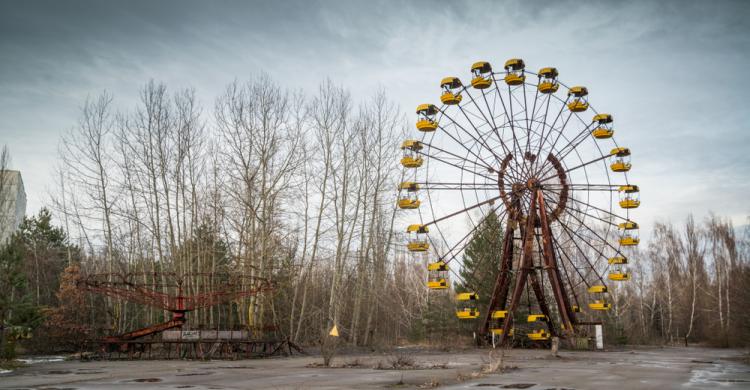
(18, 314)
(481, 260)
(46, 253)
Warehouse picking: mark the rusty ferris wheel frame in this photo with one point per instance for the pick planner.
(509, 144)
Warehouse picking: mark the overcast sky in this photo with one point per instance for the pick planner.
(675, 74)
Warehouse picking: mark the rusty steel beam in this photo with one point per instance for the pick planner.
(526, 266)
(553, 272)
(502, 282)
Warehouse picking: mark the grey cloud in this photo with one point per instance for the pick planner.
(672, 72)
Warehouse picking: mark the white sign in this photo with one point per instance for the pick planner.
(599, 337)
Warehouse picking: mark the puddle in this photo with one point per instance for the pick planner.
(518, 386)
(724, 375)
(147, 380)
(42, 359)
(195, 373)
(57, 388)
(58, 372)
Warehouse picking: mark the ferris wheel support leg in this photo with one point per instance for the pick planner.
(526, 266)
(550, 264)
(502, 282)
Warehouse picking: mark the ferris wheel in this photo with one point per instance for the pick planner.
(533, 153)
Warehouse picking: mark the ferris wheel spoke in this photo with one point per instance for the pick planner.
(584, 278)
(492, 117)
(556, 247)
(510, 118)
(479, 134)
(602, 239)
(578, 166)
(461, 158)
(523, 168)
(551, 128)
(583, 187)
(459, 142)
(593, 207)
(446, 162)
(543, 123)
(583, 254)
(472, 207)
(592, 216)
(533, 112)
(546, 163)
(576, 141)
(455, 250)
(434, 185)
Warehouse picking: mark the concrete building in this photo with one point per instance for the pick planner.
(12, 203)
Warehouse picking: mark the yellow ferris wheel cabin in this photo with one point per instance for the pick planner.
(579, 102)
(481, 75)
(548, 80)
(621, 159)
(452, 87)
(426, 114)
(514, 71)
(604, 128)
(629, 196)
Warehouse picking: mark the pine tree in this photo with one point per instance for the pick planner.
(18, 315)
(481, 259)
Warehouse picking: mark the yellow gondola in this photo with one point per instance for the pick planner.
(617, 260)
(417, 242)
(496, 326)
(437, 273)
(604, 127)
(579, 102)
(514, 68)
(576, 309)
(618, 271)
(629, 197)
(600, 304)
(620, 159)
(548, 80)
(619, 276)
(451, 90)
(469, 310)
(410, 157)
(536, 317)
(409, 199)
(629, 233)
(426, 114)
(482, 75)
(538, 335)
(499, 331)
